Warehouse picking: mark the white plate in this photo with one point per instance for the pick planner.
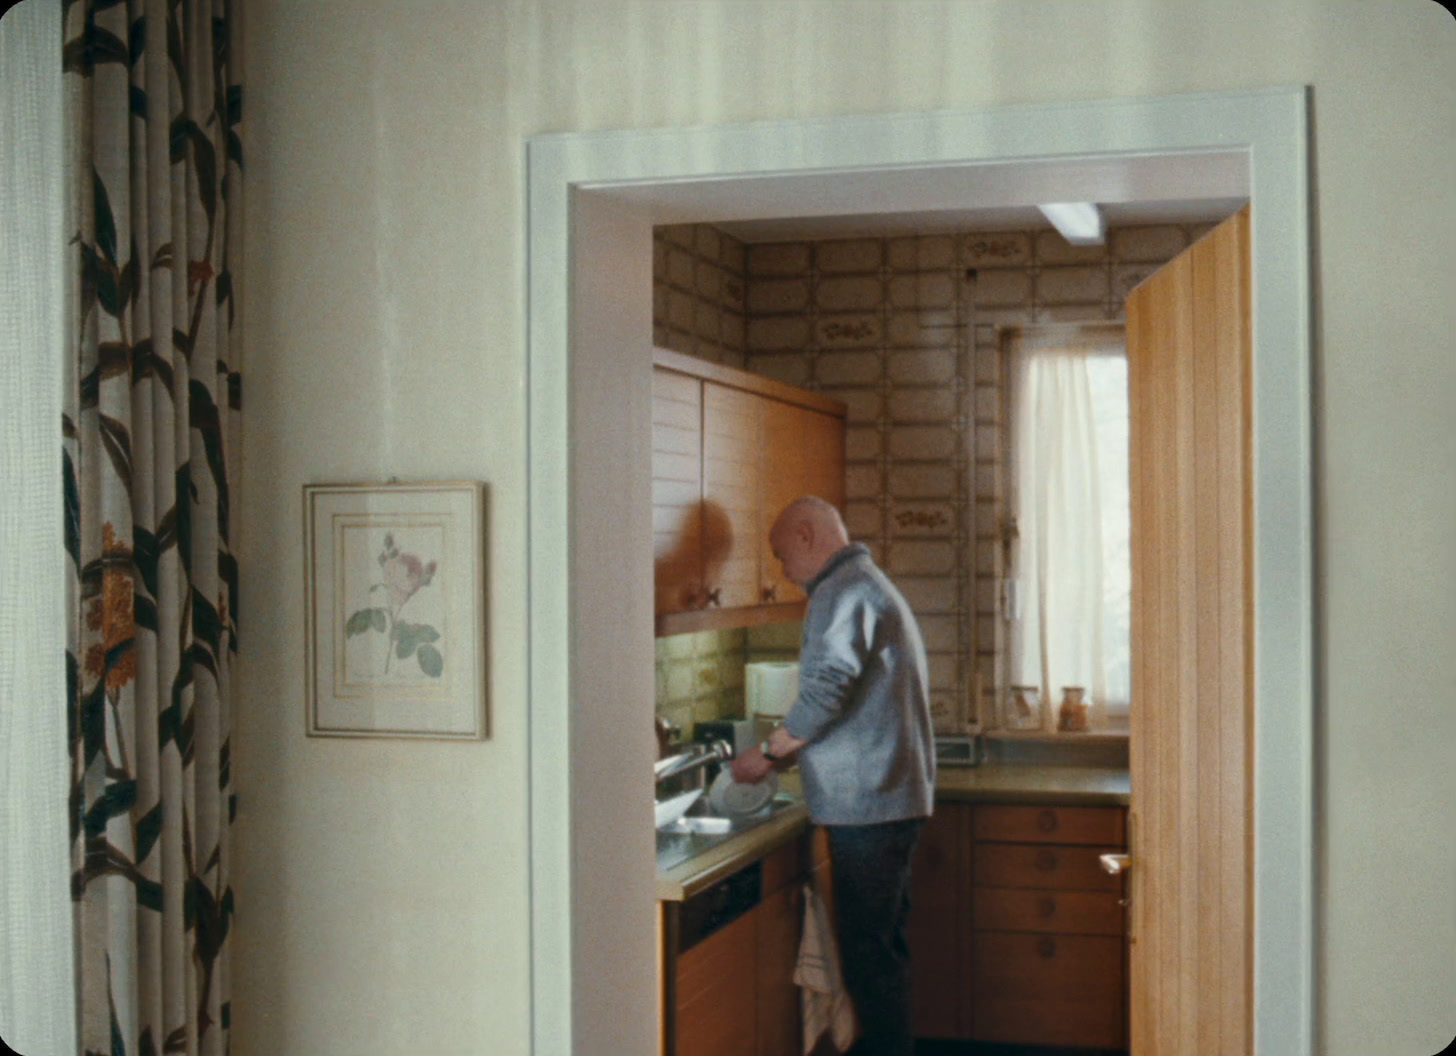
(670, 810)
(728, 796)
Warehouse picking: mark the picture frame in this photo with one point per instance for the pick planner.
(395, 596)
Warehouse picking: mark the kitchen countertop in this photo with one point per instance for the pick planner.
(988, 783)
(724, 859)
(1020, 783)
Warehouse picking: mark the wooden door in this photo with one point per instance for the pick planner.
(1191, 927)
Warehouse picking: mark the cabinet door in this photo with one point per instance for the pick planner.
(780, 923)
(803, 454)
(731, 490)
(937, 928)
(677, 490)
(717, 997)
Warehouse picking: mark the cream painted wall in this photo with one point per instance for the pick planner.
(383, 888)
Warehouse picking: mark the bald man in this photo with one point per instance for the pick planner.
(861, 733)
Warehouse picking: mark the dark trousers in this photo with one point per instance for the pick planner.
(872, 901)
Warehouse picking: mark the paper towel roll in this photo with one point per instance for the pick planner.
(772, 687)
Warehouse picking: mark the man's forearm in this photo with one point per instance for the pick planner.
(784, 745)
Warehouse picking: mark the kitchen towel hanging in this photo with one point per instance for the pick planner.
(824, 1000)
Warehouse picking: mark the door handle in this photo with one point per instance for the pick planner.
(1115, 863)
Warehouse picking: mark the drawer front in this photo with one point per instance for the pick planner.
(1059, 912)
(1061, 867)
(1077, 825)
(1049, 990)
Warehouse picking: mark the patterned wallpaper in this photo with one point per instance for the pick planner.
(908, 332)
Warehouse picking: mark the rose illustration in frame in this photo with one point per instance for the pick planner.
(395, 610)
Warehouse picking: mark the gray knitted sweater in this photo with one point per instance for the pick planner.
(863, 702)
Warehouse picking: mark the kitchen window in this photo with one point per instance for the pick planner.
(1068, 596)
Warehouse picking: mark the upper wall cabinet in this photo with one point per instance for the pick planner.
(729, 451)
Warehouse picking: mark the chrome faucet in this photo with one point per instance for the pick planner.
(695, 757)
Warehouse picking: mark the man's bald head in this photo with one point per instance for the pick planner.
(805, 536)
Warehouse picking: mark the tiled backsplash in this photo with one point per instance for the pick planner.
(908, 332)
(700, 676)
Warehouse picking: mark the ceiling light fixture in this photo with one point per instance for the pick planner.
(1080, 223)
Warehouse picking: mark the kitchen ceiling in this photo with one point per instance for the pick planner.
(940, 221)
(1194, 187)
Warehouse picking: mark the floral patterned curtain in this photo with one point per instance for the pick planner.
(153, 107)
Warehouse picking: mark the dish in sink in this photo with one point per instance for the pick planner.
(670, 810)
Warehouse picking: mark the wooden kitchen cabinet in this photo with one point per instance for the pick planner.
(732, 498)
(734, 992)
(677, 490)
(803, 454)
(717, 999)
(938, 923)
(729, 450)
(1017, 935)
(780, 926)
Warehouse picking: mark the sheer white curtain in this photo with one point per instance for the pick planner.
(1069, 497)
(37, 1005)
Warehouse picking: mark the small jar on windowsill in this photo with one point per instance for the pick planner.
(1072, 716)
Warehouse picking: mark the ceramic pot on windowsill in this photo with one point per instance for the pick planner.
(1023, 710)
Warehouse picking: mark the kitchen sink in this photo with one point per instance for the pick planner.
(706, 825)
(700, 829)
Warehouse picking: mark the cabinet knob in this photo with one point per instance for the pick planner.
(1046, 946)
(1047, 907)
(1046, 821)
(770, 593)
(1046, 861)
(714, 597)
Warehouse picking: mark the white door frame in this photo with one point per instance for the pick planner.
(593, 199)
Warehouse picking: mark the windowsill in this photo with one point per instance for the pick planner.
(1095, 748)
(1112, 735)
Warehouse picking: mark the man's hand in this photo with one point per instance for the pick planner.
(751, 767)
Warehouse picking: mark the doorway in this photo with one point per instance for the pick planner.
(593, 202)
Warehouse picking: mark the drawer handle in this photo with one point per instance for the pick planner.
(1046, 861)
(1047, 907)
(1046, 946)
(1046, 821)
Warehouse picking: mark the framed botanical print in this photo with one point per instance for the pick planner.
(394, 583)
